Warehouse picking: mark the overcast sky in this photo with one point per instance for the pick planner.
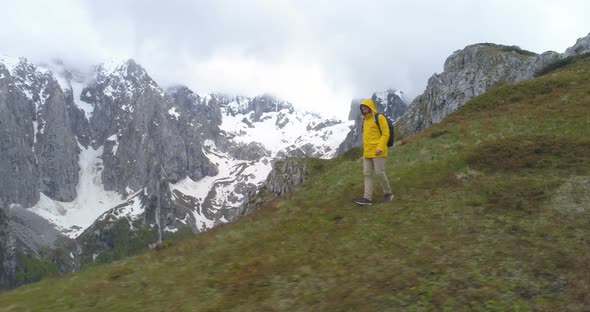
(316, 54)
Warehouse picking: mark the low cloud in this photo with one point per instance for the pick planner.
(317, 54)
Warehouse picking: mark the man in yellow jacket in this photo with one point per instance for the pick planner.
(375, 139)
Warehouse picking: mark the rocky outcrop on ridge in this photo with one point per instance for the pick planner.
(468, 73)
(471, 72)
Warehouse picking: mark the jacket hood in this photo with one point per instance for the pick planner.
(369, 102)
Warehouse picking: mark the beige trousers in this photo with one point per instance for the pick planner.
(376, 164)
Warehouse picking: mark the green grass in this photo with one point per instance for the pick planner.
(560, 63)
(505, 48)
(491, 214)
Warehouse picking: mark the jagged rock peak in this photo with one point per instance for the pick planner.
(389, 93)
(270, 103)
(120, 80)
(468, 73)
(112, 65)
(131, 68)
(21, 69)
(184, 96)
(32, 80)
(582, 46)
(125, 75)
(11, 62)
(180, 89)
(391, 102)
(258, 105)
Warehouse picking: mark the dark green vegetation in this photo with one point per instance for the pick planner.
(505, 48)
(118, 239)
(561, 63)
(491, 213)
(30, 269)
(518, 50)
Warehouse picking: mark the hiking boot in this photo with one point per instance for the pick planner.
(362, 201)
(388, 197)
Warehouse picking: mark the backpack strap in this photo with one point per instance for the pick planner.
(376, 117)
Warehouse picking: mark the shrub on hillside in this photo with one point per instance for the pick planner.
(560, 63)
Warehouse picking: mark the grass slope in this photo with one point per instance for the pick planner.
(492, 213)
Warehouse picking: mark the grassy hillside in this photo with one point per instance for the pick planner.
(492, 213)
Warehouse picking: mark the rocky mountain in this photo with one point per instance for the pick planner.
(582, 46)
(39, 149)
(391, 103)
(97, 164)
(470, 72)
(31, 247)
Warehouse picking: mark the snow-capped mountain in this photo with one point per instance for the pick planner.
(90, 150)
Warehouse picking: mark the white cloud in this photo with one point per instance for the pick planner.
(317, 54)
(42, 30)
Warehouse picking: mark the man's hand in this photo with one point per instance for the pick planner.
(377, 152)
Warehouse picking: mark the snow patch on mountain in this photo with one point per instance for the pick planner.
(72, 218)
(111, 65)
(276, 134)
(172, 112)
(283, 131)
(77, 87)
(231, 173)
(32, 81)
(10, 62)
(132, 209)
(114, 138)
(74, 80)
(123, 78)
(198, 190)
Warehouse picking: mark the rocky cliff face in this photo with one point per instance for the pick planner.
(39, 148)
(582, 46)
(56, 147)
(18, 162)
(30, 247)
(391, 103)
(284, 178)
(39, 153)
(6, 250)
(467, 74)
(131, 122)
(470, 72)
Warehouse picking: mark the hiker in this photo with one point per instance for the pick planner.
(375, 139)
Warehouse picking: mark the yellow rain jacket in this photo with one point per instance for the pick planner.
(373, 139)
